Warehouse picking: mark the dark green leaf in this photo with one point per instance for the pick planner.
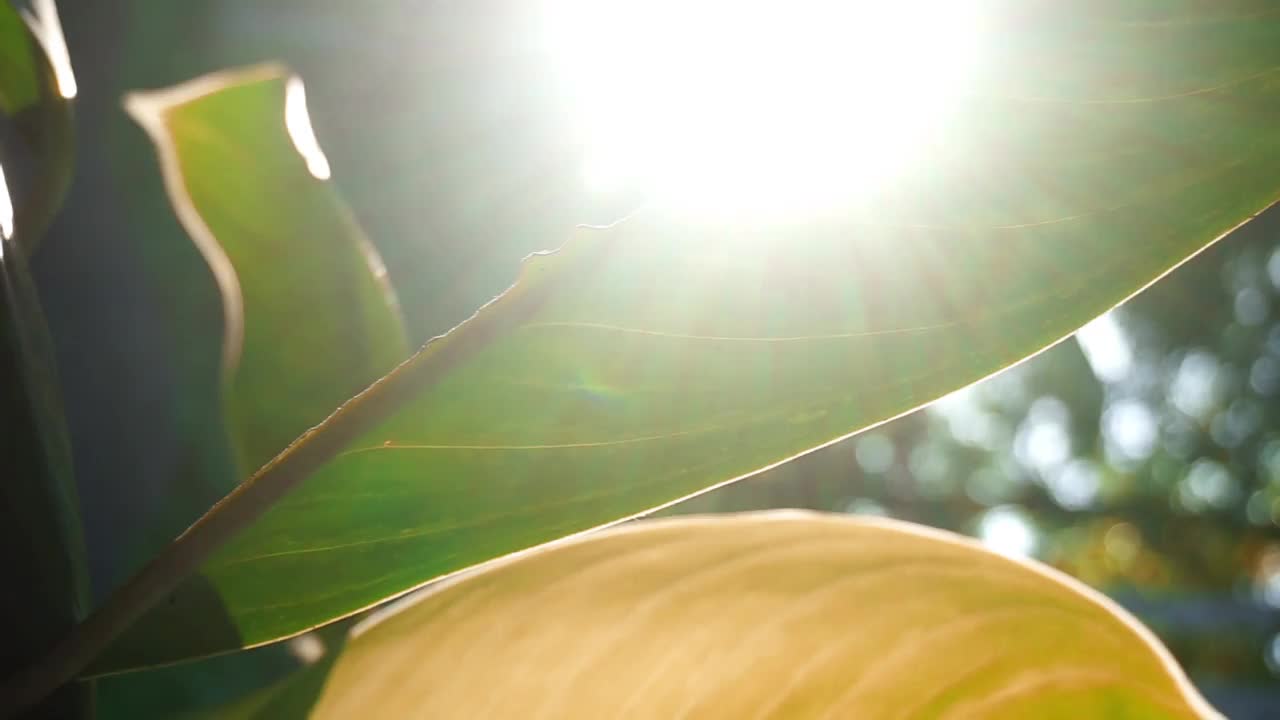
(36, 87)
(46, 588)
(655, 359)
(290, 698)
(774, 615)
(309, 317)
(20, 78)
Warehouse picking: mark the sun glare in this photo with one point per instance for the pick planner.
(298, 122)
(6, 211)
(724, 105)
(42, 18)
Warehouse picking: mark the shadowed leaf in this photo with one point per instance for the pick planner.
(36, 88)
(20, 76)
(290, 698)
(46, 588)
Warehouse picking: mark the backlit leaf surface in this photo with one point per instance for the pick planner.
(775, 615)
(309, 317)
(661, 356)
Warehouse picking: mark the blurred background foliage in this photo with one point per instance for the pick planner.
(1143, 458)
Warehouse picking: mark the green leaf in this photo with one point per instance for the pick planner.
(36, 88)
(774, 615)
(46, 586)
(289, 698)
(20, 79)
(657, 358)
(309, 317)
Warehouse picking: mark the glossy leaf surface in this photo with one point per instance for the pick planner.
(651, 360)
(309, 317)
(760, 616)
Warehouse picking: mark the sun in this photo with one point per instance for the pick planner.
(759, 106)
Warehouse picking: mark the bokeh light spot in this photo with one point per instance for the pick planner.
(1006, 530)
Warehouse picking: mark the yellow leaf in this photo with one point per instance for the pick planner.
(775, 615)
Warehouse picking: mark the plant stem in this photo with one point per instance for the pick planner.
(252, 498)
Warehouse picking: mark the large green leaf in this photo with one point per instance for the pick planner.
(36, 88)
(46, 587)
(309, 317)
(654, 359)
(771, 615)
